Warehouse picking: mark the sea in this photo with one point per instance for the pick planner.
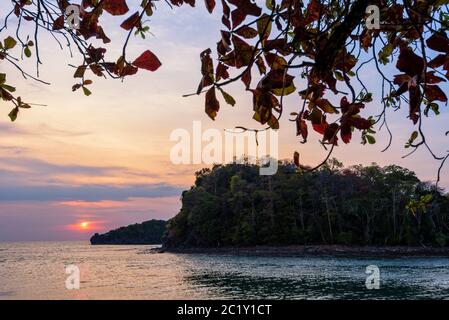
(77, 270)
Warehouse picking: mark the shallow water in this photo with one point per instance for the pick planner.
(36, 270)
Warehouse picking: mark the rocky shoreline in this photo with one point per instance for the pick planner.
(316, 250)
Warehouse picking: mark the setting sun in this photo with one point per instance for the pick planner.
(84, 225)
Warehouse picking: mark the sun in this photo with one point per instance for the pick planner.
(84, 225)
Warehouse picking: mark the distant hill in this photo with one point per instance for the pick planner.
(148, 232)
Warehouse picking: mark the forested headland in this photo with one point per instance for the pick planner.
(147, 232)
(232, 205)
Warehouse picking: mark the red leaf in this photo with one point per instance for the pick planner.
(210, 5)
(244, 8)
(438, 61)
(89, 25)
(5, 95)
(207, 70)
(212, 104)
(435, 93)
(115, 7)
(330, 133)
(87, 4)
(301, 129)
(247, 32)
(276, 79)
(275, 61)
(148, 61)
(438, 42)
(246, 78)
(242, 54)
(320, 127)
(410, 63)
(261, 65)
(131, 22)
(95, 54)
(318, 120)
(415, 99)
(128, 70)
(279, 45)
(361, 123)
(431, 78)
(180, 2)
(346, 133)
(314, 8)
(221, 72)
(59, 23)
(226, 14)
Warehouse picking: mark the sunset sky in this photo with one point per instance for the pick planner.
(105, 159)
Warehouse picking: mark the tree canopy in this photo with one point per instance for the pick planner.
(315, 49)
(232, 205)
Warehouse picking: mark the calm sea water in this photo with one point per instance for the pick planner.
(37, 271)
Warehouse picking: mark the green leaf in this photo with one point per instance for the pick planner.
(228, 98)
(273, 122)
(10, 43)
(13, 114)
(339, 76)
(413, 137)
(441, 2)
(370, 139)
(86, 91)
(27, 52)
(8, 88)
(427, 198)
(284, 91)
(367, 97)
(264, 24)
(432, 106)
(385, 53)
(350, 73)
(79, 73)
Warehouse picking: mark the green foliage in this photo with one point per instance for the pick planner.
(232, 205)
(344, 238)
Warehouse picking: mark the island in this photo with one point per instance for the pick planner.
(334, 209)
(148, 232)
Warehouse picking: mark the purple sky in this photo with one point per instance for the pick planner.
(104, 159)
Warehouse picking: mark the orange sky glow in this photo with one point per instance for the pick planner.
(81, 165)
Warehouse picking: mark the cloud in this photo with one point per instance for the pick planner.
(39, 130)
(30, 179)
(13, 149)
(87, 192)
(43, 167)
(9, 128)
(16, 170)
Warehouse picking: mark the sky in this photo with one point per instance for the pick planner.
(105, 159)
